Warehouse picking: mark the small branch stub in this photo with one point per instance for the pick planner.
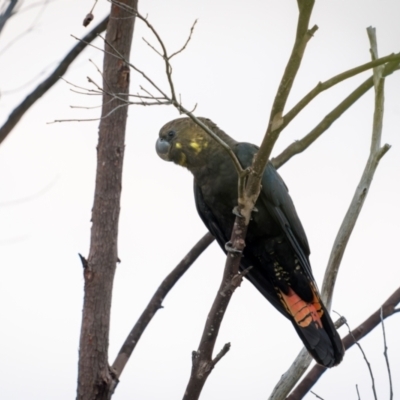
(84, 261)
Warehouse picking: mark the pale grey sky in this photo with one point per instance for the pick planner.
(231, 69)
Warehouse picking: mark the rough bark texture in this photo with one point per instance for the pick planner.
(95, 378)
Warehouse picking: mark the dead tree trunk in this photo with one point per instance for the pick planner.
(95, 378)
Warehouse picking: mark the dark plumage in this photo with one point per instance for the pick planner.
(276, 244)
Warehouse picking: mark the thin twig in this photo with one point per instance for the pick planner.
(152, 47)
(173, 98)
(86, 93)
(223, 351)
(385, 353)
(301, 145)
(358, 393)
(322, 86)
(303, 35)
(186, 43)
(315, 394)
(87, 90)
(91, 119)
(90, 107)
(365, 358)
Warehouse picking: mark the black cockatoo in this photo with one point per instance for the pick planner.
(276, 244)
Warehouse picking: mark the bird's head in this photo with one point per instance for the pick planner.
(186, 143)
(181, 141)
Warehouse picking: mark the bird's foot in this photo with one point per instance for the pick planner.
(231, 249)
(236, 212)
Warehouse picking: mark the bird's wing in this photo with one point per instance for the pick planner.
(256, 276)
(275, 197)
(310, 318)
(208, 217)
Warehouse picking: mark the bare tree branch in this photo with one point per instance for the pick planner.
(42, 88)
(301, 145)
(289, 379)
(315, 394)
(156, 303)
(27, 29)
(5, 16)
(387, 309)
(322, 86)
(303, 360)
(186, 43)
(249, 186)
(303, 35)
(357, 202)
(366, 361)
(248, 195)
(358, 393)
(202, 359)
(385, 353)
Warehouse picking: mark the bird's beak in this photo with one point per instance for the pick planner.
(162, 148)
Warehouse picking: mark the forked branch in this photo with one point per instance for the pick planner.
(246, 203)
(303, 360)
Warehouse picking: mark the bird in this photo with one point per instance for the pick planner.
(277, 248)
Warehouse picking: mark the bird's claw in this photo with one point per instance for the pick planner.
(231, 249)
(236, 212)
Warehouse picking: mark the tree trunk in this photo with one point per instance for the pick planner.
(95, 378)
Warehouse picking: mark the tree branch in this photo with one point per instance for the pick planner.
(385, 353)
(366, 361)
(43, 87)
(322, 86)
(289, 379)
(156, 303)
(357, 202)
(303, 35)
(303, 360)
(388, 309)
(301, 145)
(7, 13)
(202, 362)
(96, 380)
(172, 98)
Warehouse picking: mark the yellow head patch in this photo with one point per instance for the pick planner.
(197, 146)
(182, 159)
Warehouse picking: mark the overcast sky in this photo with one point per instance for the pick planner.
(231, 69)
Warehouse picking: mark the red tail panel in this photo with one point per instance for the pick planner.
(303, 313)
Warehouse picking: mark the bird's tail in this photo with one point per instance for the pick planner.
(315, 327)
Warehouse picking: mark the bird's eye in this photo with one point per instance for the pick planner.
(171, 134)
